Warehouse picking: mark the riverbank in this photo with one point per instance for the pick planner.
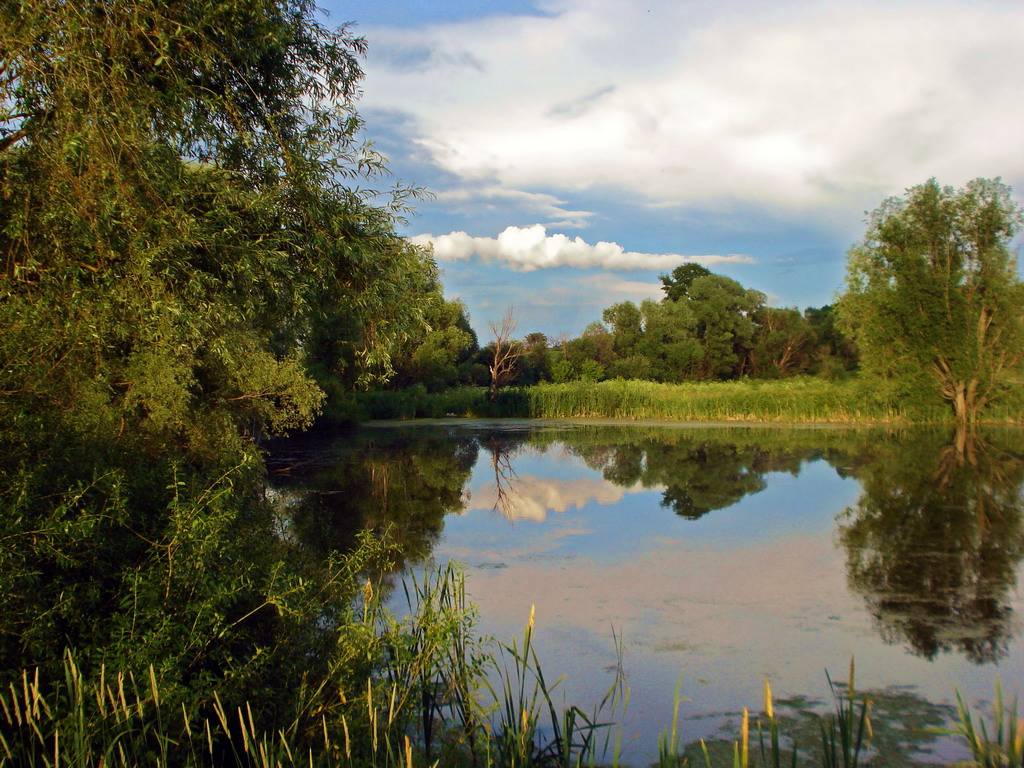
(426, 702)
(803, 400)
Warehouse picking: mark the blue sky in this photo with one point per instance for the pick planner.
(579, 148)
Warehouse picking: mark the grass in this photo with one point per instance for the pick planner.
(795, 400)
(1001, 748)
(437, 696)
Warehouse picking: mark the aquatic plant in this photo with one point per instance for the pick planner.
(1004, 747)
(794, 400)
(435, 695)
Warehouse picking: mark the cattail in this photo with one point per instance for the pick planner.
(768, 709)
(745, 739)
(533, 614)
(153, 687)
(348, 746)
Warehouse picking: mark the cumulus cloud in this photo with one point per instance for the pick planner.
(539, 202)
(792, 106)
(530, 497)
(530, 248)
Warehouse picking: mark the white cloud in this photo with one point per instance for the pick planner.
(529, 497)
(804, 107)
(539, 202)
(530, 248)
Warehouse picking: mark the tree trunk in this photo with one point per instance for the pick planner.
(966, 405)
(960, 404)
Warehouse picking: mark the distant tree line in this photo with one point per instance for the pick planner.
(933, 312)
(707, 327)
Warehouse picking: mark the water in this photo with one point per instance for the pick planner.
(729, 554)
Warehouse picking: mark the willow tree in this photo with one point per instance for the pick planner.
(182, 221)
(181, 217)
(933, 297)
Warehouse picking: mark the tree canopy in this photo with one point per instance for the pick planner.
(933, 297)
(180, 224)
(189, 246)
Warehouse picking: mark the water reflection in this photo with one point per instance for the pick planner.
(734, 553)
(934, 542)
(374, 481)
(697, 474)
(906, 731)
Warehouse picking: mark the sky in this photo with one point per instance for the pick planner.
(575, 150)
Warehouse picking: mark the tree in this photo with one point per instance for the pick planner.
(506, 352)
(182, 224)
(782, 344)
(535, 366)
(836, 352)
(669, 341)
(723, 310)
(440, 357)
(626, 322)
(677, 285)
(933, 298)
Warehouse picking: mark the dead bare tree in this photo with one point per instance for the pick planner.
(507, 351)
(504, 478)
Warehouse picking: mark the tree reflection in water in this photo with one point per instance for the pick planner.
(375, 480)
(697, 470)
(934, 542)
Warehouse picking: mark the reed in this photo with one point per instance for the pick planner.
(843, 733)
(795, 400)
(1004, 746)
(435, 696)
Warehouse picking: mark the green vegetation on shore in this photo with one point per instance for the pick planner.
(193, 264)
(795, 400)
(435, 694)
(931, 319)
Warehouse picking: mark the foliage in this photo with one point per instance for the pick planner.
(784, 344)
(934, 542)
(677, 284)
(181, 241)
(1005, 746)
(440, 357)
(187, 252)
(794, 400)
(933, 297)
(708, 327)
(446, 711)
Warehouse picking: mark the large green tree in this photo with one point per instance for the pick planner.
(933, 298)
(183, 235)
(724, 312)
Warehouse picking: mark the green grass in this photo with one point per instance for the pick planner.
(796, 400)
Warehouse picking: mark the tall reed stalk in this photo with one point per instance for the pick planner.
(434, 695)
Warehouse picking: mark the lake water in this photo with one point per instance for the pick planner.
(730, 554)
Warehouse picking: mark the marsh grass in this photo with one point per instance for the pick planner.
(437, 696)
(1004, 746)
(428, 699)
(795, 400)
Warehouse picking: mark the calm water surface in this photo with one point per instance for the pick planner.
(730, 554)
